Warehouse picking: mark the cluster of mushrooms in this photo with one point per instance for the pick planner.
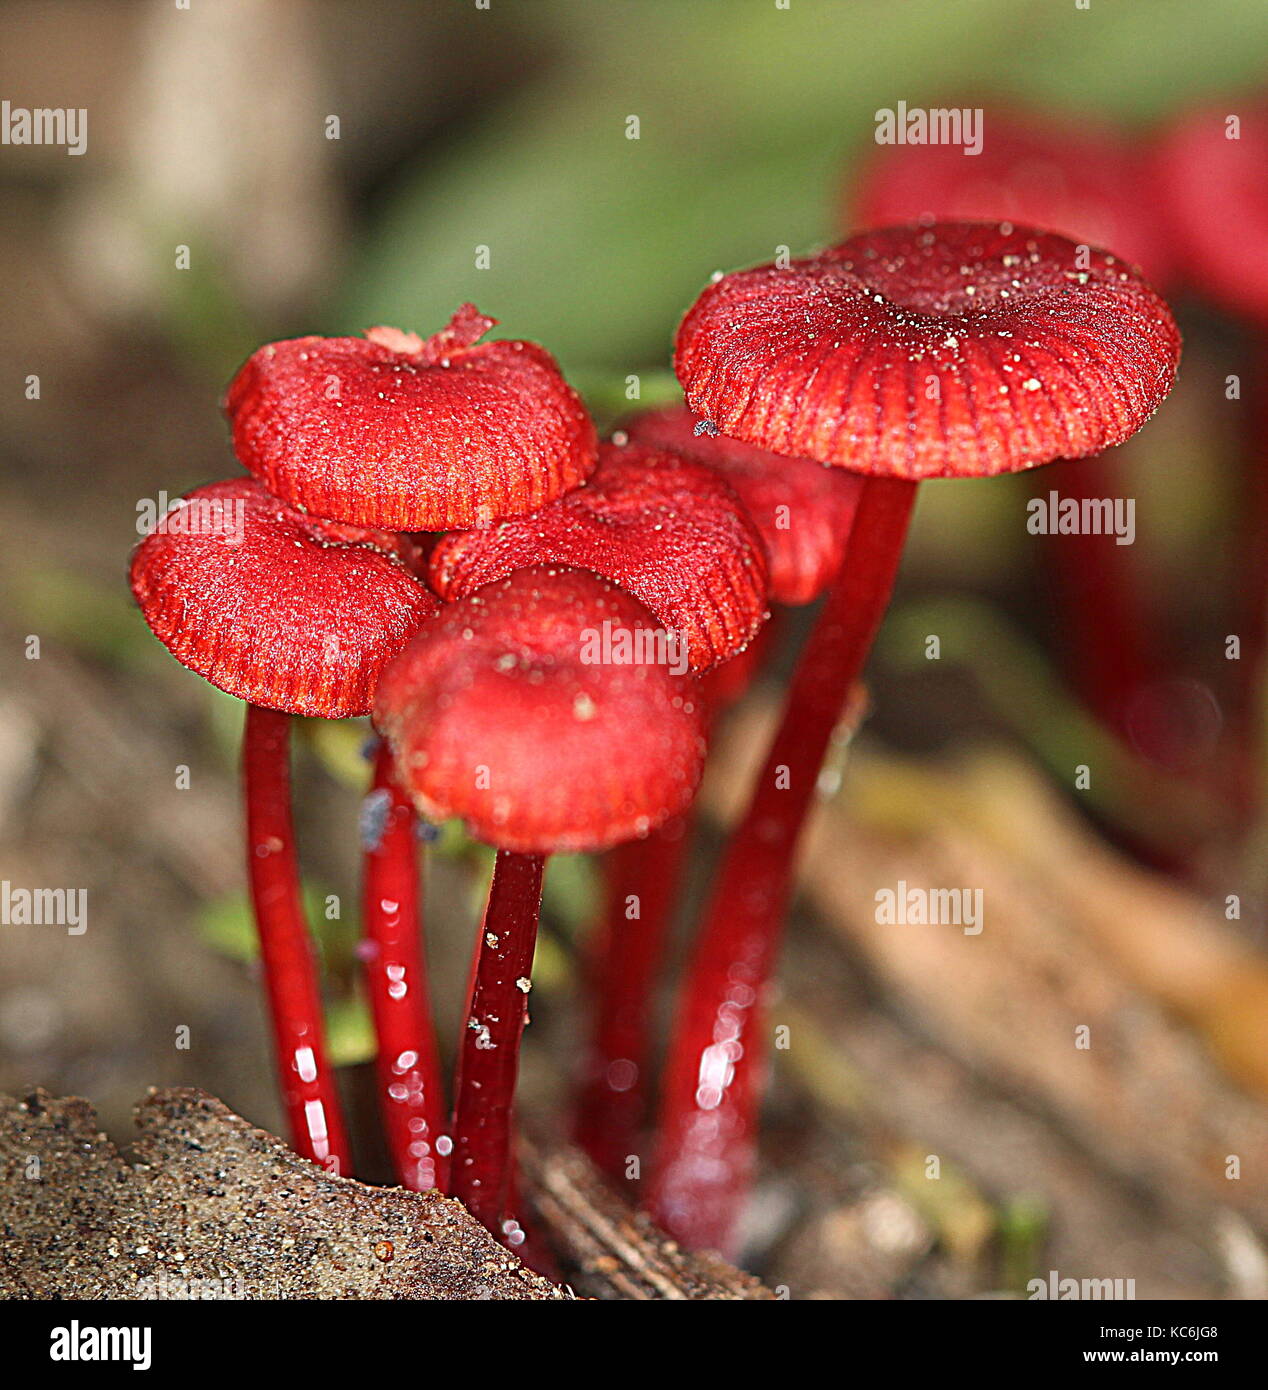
(432, 535)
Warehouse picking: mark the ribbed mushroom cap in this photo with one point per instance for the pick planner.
(666, 528)
(274, 606)
(953, 350)
(1034, 171)
(512, 710)
(803, 509)
(394, 431)
(1215, 198)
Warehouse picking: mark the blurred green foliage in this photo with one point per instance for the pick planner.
(228, 927)
(67, 608)
(1023, 1230)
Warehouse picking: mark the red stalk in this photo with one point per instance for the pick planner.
(488, 1059)
(411, 1094)
(716, 1059)
(1098, 602)
(1243, 779)
(624, 968)
(309, 1092)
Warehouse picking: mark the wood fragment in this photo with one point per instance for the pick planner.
(612, 1251)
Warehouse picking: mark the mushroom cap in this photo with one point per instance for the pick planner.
(664, 527)
(803, 509)
(1033, 170)
(953, 350)
(394, 431)
(277, 607)
(1215, 198)
(503, 711)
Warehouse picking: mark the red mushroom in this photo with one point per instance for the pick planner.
(294, 617)
(672, 532)
(1036, 169)
(908, 353)
(802, 509)
(502, 712)
(411, 434)
(668, 530)
(396, 431)
(953, 350)
(1209, 169)
(1092, 185)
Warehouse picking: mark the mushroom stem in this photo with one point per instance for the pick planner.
(488, 1057)
(1246, 736)
(411, 1094)
(309, 1092)
(1098, 606)
(717, 1053)
(642, 881)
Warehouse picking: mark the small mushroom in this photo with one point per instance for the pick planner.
(945, 351)
(948, 350)
(671, 531)
(294, 617)
(802, 508)
(507, 711)
(392, 430)
(667, 529)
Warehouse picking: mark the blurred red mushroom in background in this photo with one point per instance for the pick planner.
(1062, 173)
(1054, 170)
(504, 712)
(950, 350)
(1209, 171)
(294, 617)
